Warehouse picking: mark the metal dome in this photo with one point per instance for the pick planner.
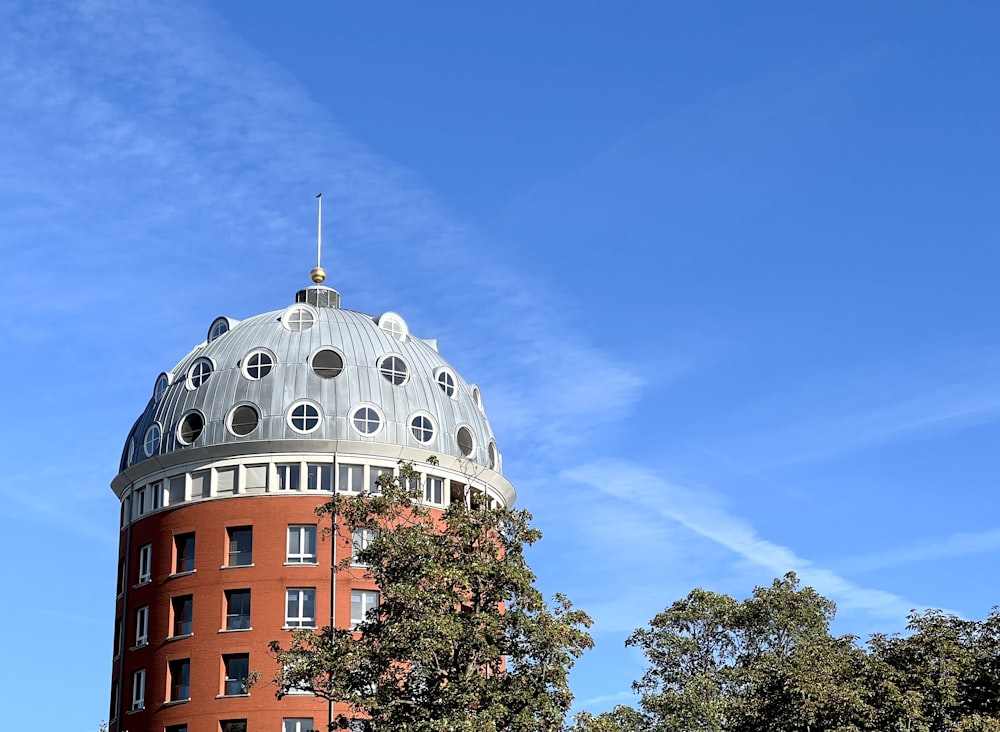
(313, 372)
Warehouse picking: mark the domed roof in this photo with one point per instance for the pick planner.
(313, 371)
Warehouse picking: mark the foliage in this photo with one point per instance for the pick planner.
(770, 664)
(461, 640)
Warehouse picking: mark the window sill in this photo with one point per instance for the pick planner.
(179, 637)
(137, 646)
(236, 566)
(298, 627)
(235, 630)
(142, 583)
(136, 710)
(181, 574)
(231, 696)
(175, 702)
(300, 564)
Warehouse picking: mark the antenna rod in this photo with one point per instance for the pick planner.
(319, 274)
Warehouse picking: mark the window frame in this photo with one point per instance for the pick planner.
(229, 682)
(258, 364)
(361, 539)
(144, 564)
(237, 618)
(182, 616)
(299, 724)
(141, 626)
(179, 680)
(182, 556)
(138, 689)
(367, 419)
(393, 368)
(364, 605)
(305, 417)
(301, 620)
(199, 372)
(301, 557)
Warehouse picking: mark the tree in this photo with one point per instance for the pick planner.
(462, 640)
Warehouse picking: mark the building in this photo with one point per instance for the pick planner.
(220, 551)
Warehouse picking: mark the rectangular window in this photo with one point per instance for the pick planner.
(121, 575)
(301, 544)
(434, 490)
(300, 608)
(360, 539)
(177, 728)
(237, 609)
(176, 493)
(288, 477)
(125, 505)
(255, 477)
(373, 475)
(350, 478)
(240, 546)
(142, 626)
(157, 490)
(183, 611)
(139, 690)
(225, 481)
(319, 477)
(302, 689)
(180, 679)
(201, 484)
(113, 711)
(139, 502)
(361, 602)
(145, 563)
(118, 637)
(184, 549)
(237, 669)
(297, 725)
(233, 725)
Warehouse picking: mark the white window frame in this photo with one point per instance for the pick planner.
(350, 471)
(284, 472)
(315, 473)
(145, 563)
(139, 690)
(305, 417)
(434, 485)
(361, 602)
(301, 557)
(142, 626)
(257, 364)
(374, 473)
(297, 724)
(300, 620)
(393, 368)
(361, 538)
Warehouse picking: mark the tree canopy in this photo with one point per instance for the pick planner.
(462, 640)
(770, 664)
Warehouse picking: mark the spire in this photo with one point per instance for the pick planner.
(318, 274)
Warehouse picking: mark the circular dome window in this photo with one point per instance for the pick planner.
(190, 428)
(393, 325)
(160, 387)
(131, 452)
(366, 420)
(304, 417)
(477, 398)
(327, 363)
(151, 440)
(258, 364)
(243, 420)
(446, 380)
(199, 372)
(422, 428)
(466, 442)
(394, 370)
(219, 327)
(298, 319)
(492, 453)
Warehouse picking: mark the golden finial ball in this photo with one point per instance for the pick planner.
(318, 274)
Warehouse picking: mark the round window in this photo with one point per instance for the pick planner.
(160, 387)
(447, 382)
(243, 420)
(131, 452)
(257, 364)
(492, 450)
(393, 370)
(327, 363)
(151, 441)
(303, 417)
(190, 428)
(466, 442)
(477, 398)
(199, 372)
(366, 420)
(299, 319)
(422, 428)
(394, 328)
(219, 327)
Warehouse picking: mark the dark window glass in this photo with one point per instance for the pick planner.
(327, 364)
(237, 668)
(237, 609)
(240, 546)
(180, 680)
(233, 725)
(184, 545)
(191, 427)
(244, 420)
(183, 614)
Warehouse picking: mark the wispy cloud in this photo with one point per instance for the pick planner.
(957, 545)
(703, 513)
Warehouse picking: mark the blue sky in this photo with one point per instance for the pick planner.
(724, 272)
